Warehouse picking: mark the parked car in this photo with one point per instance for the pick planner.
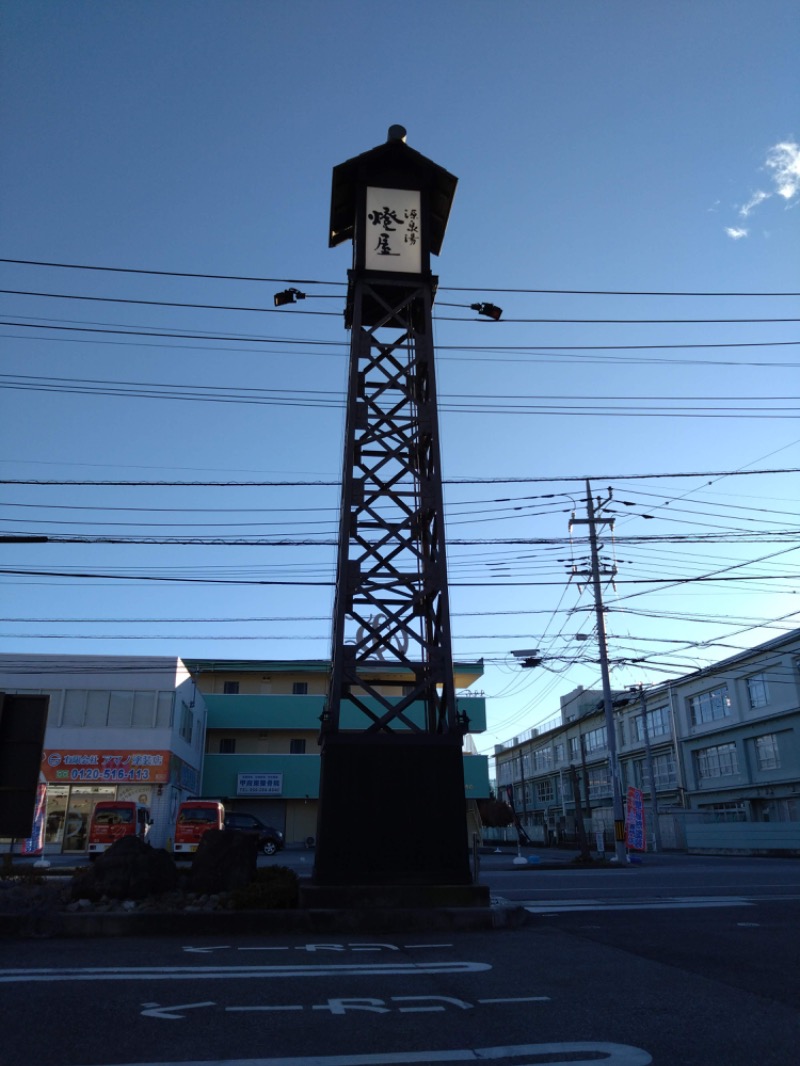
(269, 840)
(113, 819)
(195, 817)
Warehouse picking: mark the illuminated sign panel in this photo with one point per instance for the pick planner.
(393, 240)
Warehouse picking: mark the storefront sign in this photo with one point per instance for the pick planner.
(108, 767)
(259, 784)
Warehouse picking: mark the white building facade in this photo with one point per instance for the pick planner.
(128, 728)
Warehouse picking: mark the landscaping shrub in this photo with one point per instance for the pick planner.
(274, 888)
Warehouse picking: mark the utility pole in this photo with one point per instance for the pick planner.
(593, 520)
(650, 774)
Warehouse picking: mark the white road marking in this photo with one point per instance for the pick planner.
(155, 1011)
(517, 999)
(194, 973)
(291, 1006)
(436, 1004)
(315, 947)
(262, 949)
(554, 906)
(413, 947)
(345, 1004)
(612, 1055)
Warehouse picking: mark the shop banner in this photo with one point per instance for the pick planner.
(106, 767)
(34, 845)
(634, 820)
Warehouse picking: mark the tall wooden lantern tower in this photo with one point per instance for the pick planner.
(392, 807)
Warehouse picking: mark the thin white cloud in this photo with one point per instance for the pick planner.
(757, 198)
(784, 162)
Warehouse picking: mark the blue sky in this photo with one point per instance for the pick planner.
(600, 148)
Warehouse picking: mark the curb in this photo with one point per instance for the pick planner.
(227, 923)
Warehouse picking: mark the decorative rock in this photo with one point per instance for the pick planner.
(129, 870)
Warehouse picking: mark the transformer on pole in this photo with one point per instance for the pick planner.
(392, 807)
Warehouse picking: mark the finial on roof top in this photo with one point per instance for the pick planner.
(397, 133)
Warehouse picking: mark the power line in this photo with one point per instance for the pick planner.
(540, 352)
(567, 478)
(170, 273)
(158, 303)
(305, 311)
(305, 281)
(487, 403)
(170, 578)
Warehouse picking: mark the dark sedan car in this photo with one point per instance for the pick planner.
(269, 840)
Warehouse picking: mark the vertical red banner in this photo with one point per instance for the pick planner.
(34, 845)
(634, 820)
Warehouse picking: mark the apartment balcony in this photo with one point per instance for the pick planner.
(265, 712)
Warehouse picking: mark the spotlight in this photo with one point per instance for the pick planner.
(528, 658)
(288, 296)
(489, 310)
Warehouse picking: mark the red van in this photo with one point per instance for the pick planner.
(112, 819)
(196, 817)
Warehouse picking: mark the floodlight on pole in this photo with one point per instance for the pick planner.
(528, 658)
(288, 296)
(489, 310)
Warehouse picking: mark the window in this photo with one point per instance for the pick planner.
(143, 709)
(710, 706)
(663, 772)
(544, 791)
(227, 745)
(559, 750)
(757, 690)
(657, 724)
(230, 688)
(574, 749)
(187, 722)
(164, 708)
(543, 759)
(725, 812)
(596, 739)
(299, 688)
(297, 747)
(599, 782)
(718, 761)
(74, 707)
(767, 753)
(97, 708)
(120, 709)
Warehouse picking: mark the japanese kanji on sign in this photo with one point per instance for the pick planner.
(393, 230)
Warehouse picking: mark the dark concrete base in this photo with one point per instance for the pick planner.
(387, 784)
(392, 897)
